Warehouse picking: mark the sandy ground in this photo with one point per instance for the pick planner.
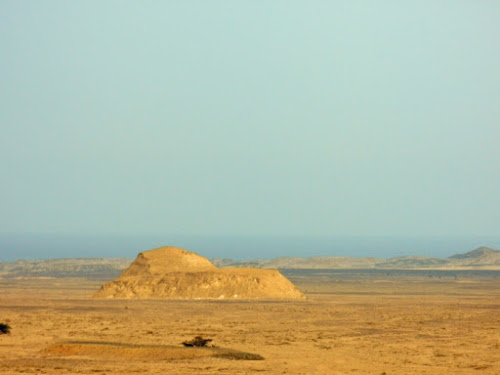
(371, 326)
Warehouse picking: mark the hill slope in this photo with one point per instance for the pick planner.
(481, 257)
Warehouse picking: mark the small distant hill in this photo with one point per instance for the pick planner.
(479, 252)
(412, 262)
(481, 257)
(83, 267)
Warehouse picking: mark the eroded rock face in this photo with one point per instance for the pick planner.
(173, 273)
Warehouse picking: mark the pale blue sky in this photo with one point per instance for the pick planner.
(250, 118)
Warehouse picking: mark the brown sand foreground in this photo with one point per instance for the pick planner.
(355, 326)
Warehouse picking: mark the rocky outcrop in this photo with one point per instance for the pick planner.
(173, 273)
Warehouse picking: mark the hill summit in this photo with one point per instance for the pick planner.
(479, 252)
(174, 273)
(165, 260)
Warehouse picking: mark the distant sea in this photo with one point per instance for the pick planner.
(49, 246)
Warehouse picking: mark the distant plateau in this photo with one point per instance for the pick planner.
(482, 258)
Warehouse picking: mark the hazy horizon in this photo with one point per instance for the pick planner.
(50, 246)
(323, 119)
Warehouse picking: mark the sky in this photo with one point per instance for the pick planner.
(317, 118)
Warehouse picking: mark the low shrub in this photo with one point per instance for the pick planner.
(4, 328)
(198, 341)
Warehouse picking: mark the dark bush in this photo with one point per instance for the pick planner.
(4, 328)
(198, 341)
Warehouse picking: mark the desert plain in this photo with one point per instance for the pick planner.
(372, 324)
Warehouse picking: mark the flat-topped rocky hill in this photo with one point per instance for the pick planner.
(173, 273)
